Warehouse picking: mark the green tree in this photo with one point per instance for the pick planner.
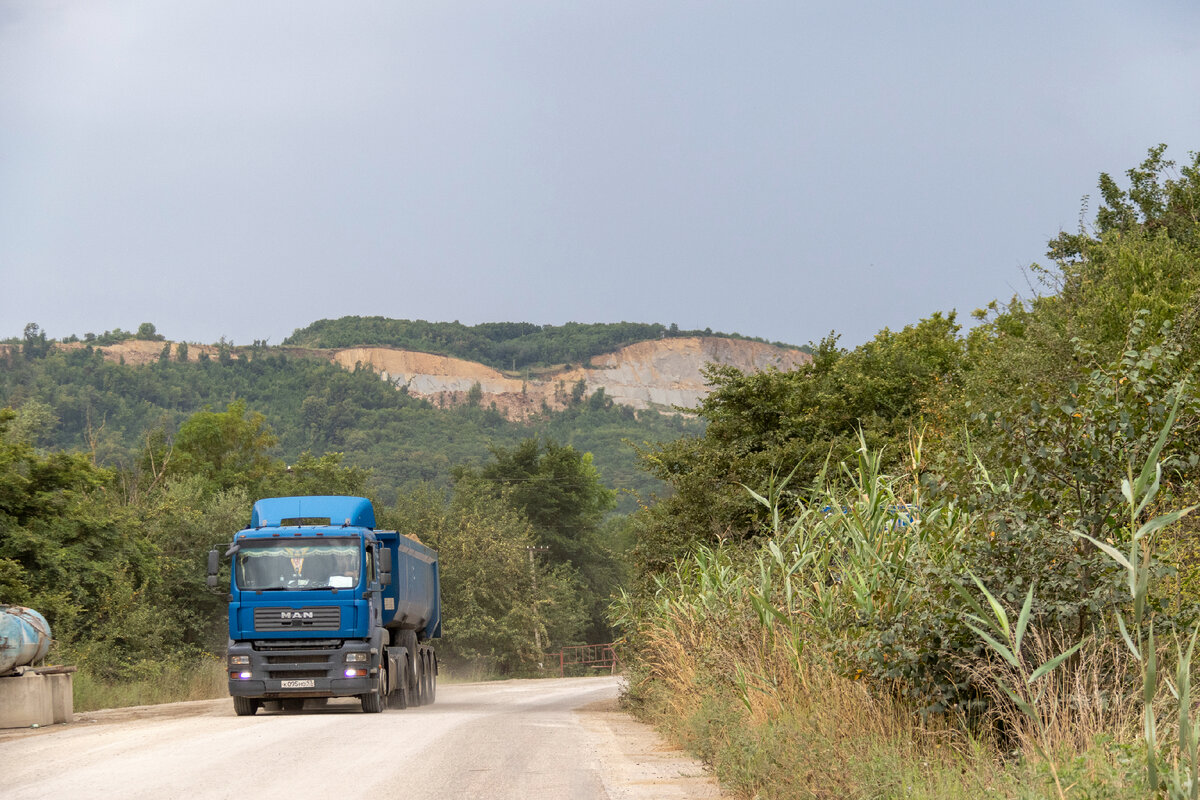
(491, 620)
(148, 332)
(313, 475)
(226, 449)
(181, 522)
(1135, 261)
(62, 534)
(558, 489)
(794, 423)
(34, 345)
(475, 394)
(1159, 199)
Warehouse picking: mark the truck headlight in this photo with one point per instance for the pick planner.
(352, 657)
(239, 660)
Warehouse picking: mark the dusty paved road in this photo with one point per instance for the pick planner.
(552, 739)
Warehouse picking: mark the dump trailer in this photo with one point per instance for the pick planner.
(321, 604)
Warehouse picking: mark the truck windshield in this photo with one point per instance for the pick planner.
(277, 565)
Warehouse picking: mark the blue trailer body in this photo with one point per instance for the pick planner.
(413, 600)
(323, 605)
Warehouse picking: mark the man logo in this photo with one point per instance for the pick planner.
(296, 615)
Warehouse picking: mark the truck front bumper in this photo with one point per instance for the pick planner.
(327, 687)
(279, 670)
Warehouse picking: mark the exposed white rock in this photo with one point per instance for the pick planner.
(662, 373)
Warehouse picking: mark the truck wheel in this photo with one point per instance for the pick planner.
(400, 696)
(431, 673)
(417, 687)
(244, 706)
(413, 673)
(374, 702)
(424, 679)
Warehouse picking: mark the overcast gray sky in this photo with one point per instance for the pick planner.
(779, 169)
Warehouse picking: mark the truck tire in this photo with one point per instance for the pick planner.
(244, 706)
(417, 685)
(431, 673)
(400, 696)
(374, 702)
(424, 680)
(413, 674)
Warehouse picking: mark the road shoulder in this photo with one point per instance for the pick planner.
(638, 763)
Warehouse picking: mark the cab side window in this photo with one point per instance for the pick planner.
(371, 576)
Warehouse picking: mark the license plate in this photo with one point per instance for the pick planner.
(309, 684)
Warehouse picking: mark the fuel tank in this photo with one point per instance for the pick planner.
(24, 637)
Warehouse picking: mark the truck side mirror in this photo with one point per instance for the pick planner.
(214, 564)
(385, 567)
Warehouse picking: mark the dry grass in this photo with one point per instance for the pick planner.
(776, 720)
(776, 724)
(1095, 693)
(206, 680)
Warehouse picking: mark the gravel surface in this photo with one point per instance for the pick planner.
(556, 739)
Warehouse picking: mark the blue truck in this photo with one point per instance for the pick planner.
(321, 604)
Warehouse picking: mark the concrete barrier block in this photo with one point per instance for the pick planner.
(25, 700)
(62, 697)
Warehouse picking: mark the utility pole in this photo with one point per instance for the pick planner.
(537, 621)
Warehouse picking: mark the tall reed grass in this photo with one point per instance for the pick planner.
(750, 660)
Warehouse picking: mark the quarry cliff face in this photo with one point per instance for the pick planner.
(655, 374)
(660, 374)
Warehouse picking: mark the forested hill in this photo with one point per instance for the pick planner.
(109, 394)
(502, 345)
(76, 396)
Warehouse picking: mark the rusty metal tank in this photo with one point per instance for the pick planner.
(24, 637)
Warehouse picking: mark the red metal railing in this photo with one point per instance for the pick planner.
(592, 656)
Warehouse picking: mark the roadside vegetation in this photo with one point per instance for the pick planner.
(114, 557)
(115, 480)
(948, 564)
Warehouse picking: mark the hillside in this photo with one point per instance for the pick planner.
(501, 345)
(662, 373)
(657, 374)
(110, 400)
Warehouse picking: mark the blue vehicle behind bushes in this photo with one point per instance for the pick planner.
(321, 604)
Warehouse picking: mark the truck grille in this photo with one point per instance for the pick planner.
(321, 618)
(316, 658)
